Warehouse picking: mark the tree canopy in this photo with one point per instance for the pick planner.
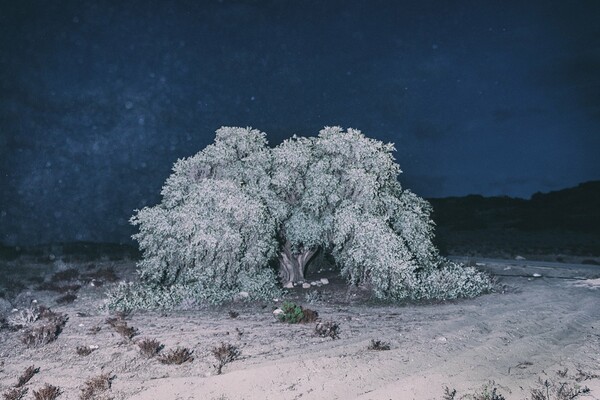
(239, 214)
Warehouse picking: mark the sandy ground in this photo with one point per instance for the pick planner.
(530, 329)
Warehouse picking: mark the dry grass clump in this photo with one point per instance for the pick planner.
(176, 356)
(47, 392)
(224, 353)
(85, 350)
(27, 375)
(24, 317)
(120, 326)
(378, 345)
(94, 386)
(46, 332)
(149, 347)
(15, 393)
(328, 329)
(549, 390)
(68, 274)
(66, 299)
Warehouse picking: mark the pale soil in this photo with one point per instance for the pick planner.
(529, 329)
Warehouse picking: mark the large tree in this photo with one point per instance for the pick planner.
(238, 207)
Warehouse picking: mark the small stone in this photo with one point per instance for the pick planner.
(313, 284)
(325, 281)
(289, 285)
(520, 258)
(306, 286)
(441, 339)
(277, 311)
(241, 296)
(536, 275)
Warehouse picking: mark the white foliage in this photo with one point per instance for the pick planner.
(227, 211)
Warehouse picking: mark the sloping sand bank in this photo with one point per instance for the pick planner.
(533, 328)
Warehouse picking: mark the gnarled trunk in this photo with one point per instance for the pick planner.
(292, 266)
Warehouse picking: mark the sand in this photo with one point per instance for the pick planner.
(530, 329)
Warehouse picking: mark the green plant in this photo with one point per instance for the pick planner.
(295, 314)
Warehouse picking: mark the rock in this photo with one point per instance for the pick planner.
(520, 258)
(314, 283)
(306, 286)
(325, 281)
(289, 285)
(277, 312)
(536, 275)
(241, 296)
(441, 339)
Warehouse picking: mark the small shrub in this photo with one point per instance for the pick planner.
(93, 386)
(47, 392)
(84, 350)
(15, 393)
(224, 353)
(120, 326)
(24, 317)
(149, 347)
(66, 275)
(584, 376)
(27, 375)
(66, 299)
(449, 394)
(549, 390)
(176, 356)
(295, 314)
(328, 329)
(48, 332)
(378, 345)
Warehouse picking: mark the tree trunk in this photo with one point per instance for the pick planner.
(292, 266)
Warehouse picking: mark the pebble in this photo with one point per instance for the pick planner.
(520, 258)
(306, 286)
(536, 275)
(325, 281)
(242, 295)
(289, 285)
(277, 311)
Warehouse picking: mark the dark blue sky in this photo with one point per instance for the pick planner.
(99, 98)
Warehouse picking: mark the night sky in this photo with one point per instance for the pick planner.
(98, 99)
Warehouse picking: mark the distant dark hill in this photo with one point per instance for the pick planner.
(561, 222)
(575, 210)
